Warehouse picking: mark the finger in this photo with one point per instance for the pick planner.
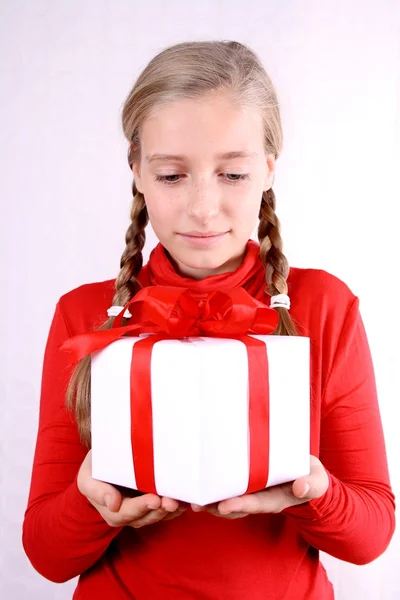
(173, 515)
(148, 518)
(104, 494)
(233, 515)
(136, 508)
(266, 501)
(223, 514)
(169, 504)
(313, 485)
(173, 507)
(158, 515)
(243, 504)
(98, 492)
(301, 488)
(217, 509)
(130, 509)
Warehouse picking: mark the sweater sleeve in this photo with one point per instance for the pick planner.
(63, 534)
(354, 520)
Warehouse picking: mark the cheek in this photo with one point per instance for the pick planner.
(245, 209)
(162, 209)
(158, 211)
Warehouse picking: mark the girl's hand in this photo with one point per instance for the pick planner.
(273, 499)
(118, 510)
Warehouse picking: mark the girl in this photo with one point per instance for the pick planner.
(204, 132)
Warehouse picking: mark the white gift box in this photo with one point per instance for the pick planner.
(200, 415)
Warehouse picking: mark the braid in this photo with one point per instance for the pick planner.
(126, 286)
(273, 259)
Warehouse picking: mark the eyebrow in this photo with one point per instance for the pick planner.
(224, 156)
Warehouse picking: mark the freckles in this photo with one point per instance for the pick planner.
(180, 198)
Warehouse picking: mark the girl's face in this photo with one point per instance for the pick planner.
(202, 172)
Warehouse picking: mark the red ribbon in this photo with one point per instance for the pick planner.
(173, 312)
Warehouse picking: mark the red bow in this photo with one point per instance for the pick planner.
(174, 312)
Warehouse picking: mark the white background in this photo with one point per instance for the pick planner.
(66, 69)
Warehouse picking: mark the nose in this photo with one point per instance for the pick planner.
(203, 203)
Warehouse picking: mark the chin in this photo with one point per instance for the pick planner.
(200, 263)
(202, 258)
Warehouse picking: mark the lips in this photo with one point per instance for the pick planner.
(205, 234)
(203, 239)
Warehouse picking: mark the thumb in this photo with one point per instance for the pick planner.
(97, 491)
(302, 488)
(313, 485)
(105, 494)
(112, 498)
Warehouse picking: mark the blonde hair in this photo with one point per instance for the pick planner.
(188, 70)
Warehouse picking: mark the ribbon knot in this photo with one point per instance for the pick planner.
(176, 312)
(206, 316)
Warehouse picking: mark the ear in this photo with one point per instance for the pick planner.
(137, 177)
(270, 172)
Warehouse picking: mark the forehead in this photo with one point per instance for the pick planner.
(209, 124)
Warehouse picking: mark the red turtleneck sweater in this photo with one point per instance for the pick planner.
(199, 556)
